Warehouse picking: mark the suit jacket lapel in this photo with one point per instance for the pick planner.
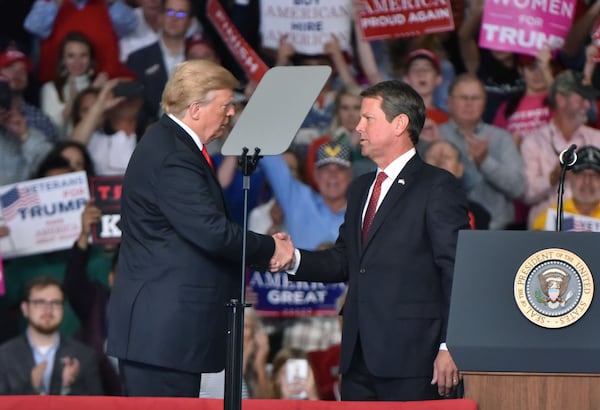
(404, 180)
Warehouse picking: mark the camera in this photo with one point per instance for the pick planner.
(129, 89)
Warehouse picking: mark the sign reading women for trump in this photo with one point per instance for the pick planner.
(308, 24)
(525, 26)
(43, 214)
(275, 295)
(381, 19)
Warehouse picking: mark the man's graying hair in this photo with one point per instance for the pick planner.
(397, 97)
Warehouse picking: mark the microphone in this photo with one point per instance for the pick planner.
(568, 157)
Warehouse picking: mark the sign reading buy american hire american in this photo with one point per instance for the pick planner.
(43, 214)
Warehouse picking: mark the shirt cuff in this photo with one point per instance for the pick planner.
(443, 346)
(296, 263)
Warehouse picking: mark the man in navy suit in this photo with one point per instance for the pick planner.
(399, 263)
(179, 260)
(153, 64)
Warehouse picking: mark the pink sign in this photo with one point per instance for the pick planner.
(525, 26)
(389, 18)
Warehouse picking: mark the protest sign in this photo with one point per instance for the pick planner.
(43, 214)
(243, 53)
(525, 26)
(382, 19)
(277, 296)
(308, 24)
(106, 194)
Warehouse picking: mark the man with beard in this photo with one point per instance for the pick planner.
(42, 361)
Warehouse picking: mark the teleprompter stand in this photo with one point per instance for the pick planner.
(268, 123)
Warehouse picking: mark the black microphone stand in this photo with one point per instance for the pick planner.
(565, 164)
(235, 329)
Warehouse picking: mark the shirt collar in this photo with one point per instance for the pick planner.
(187, 129)
(397, 165)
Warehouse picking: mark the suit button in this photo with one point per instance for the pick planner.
(362, 271)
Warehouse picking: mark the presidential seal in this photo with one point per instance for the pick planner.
(553, 288)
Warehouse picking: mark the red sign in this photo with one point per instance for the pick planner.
(381, 19)
(245, 55)
(106, 194)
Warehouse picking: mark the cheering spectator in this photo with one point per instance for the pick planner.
(42, 361)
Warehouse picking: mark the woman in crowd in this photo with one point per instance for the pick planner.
(75, 72)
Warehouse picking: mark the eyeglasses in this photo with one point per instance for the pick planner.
(180, 14)
(40, 303)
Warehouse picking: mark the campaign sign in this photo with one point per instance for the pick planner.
(380, 19)
(525, 26)
(277, 296)
(43, 214)
(308, 24)
(244, 54)
(572, 222)
(106, 194)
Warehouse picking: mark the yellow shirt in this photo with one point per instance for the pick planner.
(539, 224)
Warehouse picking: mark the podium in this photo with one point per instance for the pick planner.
(524, 326)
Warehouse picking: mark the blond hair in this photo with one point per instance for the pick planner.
(192, 81)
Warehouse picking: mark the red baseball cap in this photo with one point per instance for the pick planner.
(9, 57)
(422, 53)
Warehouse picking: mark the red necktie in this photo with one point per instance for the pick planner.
(372, 207)
(207, 157)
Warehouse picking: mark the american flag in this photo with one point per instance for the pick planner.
(16, 198)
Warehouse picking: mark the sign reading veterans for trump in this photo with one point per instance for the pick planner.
(525, 26)
(277, 296)
(106, 194)
(43, 214)
(308, 24)
(405, 18)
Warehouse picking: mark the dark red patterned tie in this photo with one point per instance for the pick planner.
(372, 207)
(205, 153)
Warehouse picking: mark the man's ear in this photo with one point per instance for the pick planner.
(401, 123)
(194, 110)
(25, 309)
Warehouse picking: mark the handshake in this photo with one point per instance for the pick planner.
(283, 258)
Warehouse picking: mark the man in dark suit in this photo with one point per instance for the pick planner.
(396, 250)
(154, 63)
(42, 361)
(180, 254)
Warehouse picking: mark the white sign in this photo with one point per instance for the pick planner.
(43, 214)
(572, 222)
(309, 24)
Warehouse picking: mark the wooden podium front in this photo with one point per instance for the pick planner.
(531, 391)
